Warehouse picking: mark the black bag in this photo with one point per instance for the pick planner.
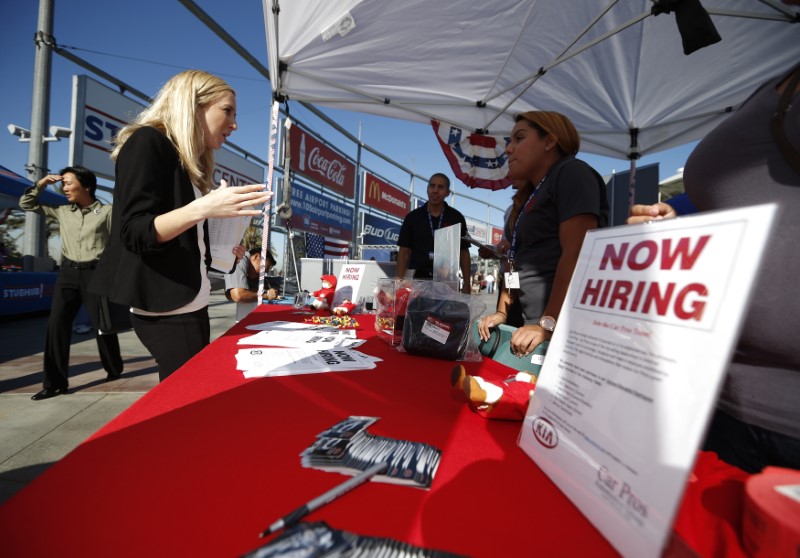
(436, 328)
(114, 317)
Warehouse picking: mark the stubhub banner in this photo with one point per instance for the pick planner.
(379, 231)
(99, 111)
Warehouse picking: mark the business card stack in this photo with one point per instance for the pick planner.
(318, 540)
(348, 448)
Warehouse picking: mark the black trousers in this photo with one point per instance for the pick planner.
(173, 340)
(69, 292)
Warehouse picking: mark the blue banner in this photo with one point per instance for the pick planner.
(379, 231)
(312, 212)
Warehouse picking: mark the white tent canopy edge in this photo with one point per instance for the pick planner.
(617, 71)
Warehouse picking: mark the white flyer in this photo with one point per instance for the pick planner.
(635, 365)
(223, 235)
(302, 338)
(268, 362)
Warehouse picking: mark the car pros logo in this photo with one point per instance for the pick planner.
(545, 432)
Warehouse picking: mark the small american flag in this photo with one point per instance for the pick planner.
(318, 246)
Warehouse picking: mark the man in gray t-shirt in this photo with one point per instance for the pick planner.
(241, 285)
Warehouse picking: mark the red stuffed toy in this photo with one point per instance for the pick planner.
(501, 400)
(323, 298)
(344, 308)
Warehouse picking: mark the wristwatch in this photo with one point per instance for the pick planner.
(547, 323)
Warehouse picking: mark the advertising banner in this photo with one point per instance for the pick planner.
(378, 231)
(318, 162)
(312, 212)
(497, 236)
(477, 230)
(635, 364)
(98, 112)
(379, 194)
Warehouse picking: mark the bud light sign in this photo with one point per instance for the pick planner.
(379, 231)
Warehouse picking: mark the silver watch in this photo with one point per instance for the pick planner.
(547, 323)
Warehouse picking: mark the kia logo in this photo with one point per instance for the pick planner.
(545, 432)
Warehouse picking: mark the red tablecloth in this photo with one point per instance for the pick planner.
(207, 459)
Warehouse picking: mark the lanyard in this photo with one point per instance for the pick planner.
(430, 219)
(531, 199)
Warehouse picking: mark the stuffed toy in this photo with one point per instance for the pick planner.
(398, 305)
(323, 298)
(502, 400)
(344, 308)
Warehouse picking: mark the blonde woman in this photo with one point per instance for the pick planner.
(156, 259)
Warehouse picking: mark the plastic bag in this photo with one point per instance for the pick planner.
(437, 322)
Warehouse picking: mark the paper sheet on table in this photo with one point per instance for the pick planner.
(223, 235)
(259, 363)
(292, 326)
(299, 338)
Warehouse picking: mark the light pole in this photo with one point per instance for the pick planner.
(33, 241)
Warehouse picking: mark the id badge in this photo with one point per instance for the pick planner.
(512, 280)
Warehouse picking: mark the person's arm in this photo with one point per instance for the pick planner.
(223, 202)
(241, 295)
(29, 201)
(571, 233)
(403, 257)
(643, 213)
(465, 265)
(504, 301)
(152, 194)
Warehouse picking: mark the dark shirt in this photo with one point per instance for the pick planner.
(416, 233)
(570, 188)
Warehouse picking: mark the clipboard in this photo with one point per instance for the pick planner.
(474, 242)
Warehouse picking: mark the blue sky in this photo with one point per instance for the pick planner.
(144, 43)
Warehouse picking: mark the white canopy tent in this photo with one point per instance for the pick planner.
(617, 71)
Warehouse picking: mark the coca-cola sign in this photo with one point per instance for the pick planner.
(319, 163)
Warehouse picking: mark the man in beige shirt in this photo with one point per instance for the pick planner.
(84, 225)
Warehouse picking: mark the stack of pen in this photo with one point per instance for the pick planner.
(318, 540)
(348, 448)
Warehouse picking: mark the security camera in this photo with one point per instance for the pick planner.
(60, 132)
(284, 211)
(15, 130)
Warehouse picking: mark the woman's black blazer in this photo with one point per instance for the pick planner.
(135, 269)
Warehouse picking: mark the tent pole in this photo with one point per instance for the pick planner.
(633, 154)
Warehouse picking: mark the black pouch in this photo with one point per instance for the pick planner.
(114, 317)
(436, 328)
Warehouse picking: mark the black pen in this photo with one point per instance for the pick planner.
(328, 497)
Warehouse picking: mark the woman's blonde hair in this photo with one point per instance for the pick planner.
(174, 111)
(548, 122)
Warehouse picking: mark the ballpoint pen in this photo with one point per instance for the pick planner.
(325, 498)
